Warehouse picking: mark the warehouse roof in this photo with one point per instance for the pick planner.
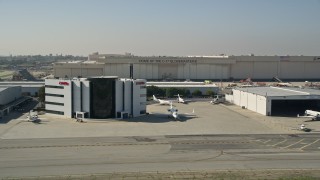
(3, 88)
(185, 85)
(280, 91)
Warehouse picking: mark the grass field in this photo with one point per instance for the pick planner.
(4, 74)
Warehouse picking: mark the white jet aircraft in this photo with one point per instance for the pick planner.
(174, 112)
(32, 117)
(218, 99)
(160, 101)
(181, 100)
(314, 115)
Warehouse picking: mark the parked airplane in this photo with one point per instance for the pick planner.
(174, 112)
(160, 101)
(218, 99)
(314, 115)
(32, 117)
(181, 100)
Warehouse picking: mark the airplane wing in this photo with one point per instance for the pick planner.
(305, 116)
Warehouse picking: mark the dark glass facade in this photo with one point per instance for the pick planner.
(102, 99)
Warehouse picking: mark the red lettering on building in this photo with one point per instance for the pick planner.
(64, 83)
(140, 83)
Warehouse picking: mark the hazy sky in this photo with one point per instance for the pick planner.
(160, 27)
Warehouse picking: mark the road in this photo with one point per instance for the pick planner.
(98, 155)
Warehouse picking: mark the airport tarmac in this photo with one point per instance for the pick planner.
(206, 119)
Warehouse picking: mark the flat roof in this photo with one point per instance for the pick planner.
(22, 86)
(280, 91)
(102, 77)
(21, 82)
(185, 85)
(3, 88)
(174, 83)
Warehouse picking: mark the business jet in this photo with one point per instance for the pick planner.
(174, 112)
(161, 102)
(32, 117)
(181, 100)
(218, 99)
(314, 115)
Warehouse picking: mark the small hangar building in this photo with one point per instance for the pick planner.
(96, 97)
(276, 101)
(28, 88)
(9, 98)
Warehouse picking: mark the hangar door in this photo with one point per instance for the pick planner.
(291, 108)
(168, 71)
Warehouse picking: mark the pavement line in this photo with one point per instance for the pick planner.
(82, 145)
(128, 144)
(309, 144)
(294, 143)
(280, 142)
(266, 141)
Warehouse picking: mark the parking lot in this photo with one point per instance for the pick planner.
(206, 119)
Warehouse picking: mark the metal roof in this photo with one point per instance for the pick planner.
(280, 91)
(185, 85)
(3, 88)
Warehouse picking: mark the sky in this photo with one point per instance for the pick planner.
(160, 27)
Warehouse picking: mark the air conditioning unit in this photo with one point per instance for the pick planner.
(122, 115)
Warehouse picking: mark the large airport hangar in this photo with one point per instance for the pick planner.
(276, 101)
(192, 67)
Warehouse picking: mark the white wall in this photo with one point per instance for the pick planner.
(262, 105)
(250, 101)
(66, 91)
(229, 98)
(290, 70)
(236, 97)
(203, 71)
(264, 70)
(76, 96)
(311, 70)
(139, 97)
(244, 99)
(119, 97)
(242, 70)
(127, 97)
(86, 97)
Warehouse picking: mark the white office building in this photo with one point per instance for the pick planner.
(96, 97)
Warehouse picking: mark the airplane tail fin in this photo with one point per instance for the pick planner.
(154, 98)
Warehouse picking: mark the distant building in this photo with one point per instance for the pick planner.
(96, 97)
(192, 67)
